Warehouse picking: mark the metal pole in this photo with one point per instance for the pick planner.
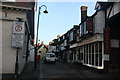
(16, 64)
(35, 64)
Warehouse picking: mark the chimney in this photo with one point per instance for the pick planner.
(83, 13)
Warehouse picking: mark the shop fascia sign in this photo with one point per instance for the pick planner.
(18, 34)
(74, 45)
(90, 40)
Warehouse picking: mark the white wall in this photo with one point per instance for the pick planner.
(9, 53)
(22, 56)
(99, 21)
(115, 9)
(0, 44)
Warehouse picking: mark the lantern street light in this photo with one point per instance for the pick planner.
(36, 47)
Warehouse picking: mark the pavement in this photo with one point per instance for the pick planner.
(29, 73)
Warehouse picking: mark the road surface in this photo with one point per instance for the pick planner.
(57, 71)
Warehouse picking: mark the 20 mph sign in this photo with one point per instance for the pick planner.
(18, 34)
(18, 27)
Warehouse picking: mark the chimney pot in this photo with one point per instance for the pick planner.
(83, 13)
(84, 8)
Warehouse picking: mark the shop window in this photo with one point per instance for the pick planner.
(100, 53)
(92, 54)
(78, 54)
(86, 54)
(81, 54)
(96, 53)
(96, 59)
(100, 59)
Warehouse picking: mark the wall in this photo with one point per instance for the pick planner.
(9, 53)
(115, 9)
(99, 22)
(0, 42)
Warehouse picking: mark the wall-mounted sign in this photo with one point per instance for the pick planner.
(17, 40)
(115, 43)
(18, 34)
(18, 27)
(106, 57)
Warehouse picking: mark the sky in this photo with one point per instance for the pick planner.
(60, 18)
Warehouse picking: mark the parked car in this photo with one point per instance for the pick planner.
(49, 57)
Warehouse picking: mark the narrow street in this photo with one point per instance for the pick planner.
(58, 70)
(81, 37)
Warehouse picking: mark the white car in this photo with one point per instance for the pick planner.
(49, 57)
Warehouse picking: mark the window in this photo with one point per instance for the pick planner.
(84, 27)
(100, 53)
(71, 36)
(92, 54)
(81, 54)
(87, 54)
(90, 59)
(80, 30)
(96, 53)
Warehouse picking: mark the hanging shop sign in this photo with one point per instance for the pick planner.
(18, 34)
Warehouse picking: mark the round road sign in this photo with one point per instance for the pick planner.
(18, 28)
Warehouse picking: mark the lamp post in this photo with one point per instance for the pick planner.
(45, 11)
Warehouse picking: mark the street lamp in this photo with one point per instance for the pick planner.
(45, 11)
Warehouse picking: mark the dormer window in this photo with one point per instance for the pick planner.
(63, 37)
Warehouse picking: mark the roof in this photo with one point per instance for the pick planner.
(20, 4)
(102, 5)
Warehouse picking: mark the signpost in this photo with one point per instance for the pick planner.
(17, 40)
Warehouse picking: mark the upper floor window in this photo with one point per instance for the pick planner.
(71, 36)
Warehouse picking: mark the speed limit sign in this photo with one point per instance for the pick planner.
(18, 27)
(18, 34)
